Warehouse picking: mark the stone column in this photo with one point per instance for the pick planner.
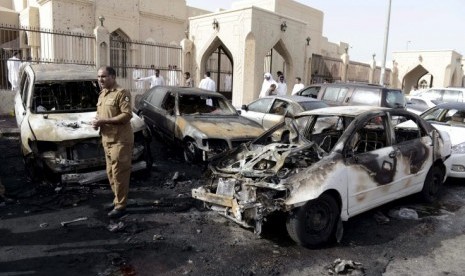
(102, 45)
(371, 77)
(187, 55)
(345, 64)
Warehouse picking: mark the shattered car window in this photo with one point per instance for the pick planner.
(65, 97)
(201, 104)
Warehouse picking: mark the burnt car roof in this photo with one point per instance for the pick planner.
(354, 110)
(45, 72)
(189, 91)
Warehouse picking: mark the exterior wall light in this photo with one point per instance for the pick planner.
(101, 18)
(215, 24)
(308, 40)
(283, 26)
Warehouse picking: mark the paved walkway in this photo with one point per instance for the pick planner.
(8, 126)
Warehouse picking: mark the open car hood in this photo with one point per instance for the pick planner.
(274, 159)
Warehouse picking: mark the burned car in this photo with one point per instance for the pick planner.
(203, 122)
(326, 166)
(54, 107)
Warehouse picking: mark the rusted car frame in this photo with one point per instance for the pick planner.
(326, 166)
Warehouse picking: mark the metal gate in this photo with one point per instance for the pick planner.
(326, 69)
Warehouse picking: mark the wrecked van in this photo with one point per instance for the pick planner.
(54, 107)
(326, 166)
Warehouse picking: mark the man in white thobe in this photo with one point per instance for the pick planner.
(13, 65)
(207, 83)
(267, 82)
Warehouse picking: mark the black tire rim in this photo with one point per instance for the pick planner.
(318, 218)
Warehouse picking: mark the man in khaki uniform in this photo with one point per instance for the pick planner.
(113, 118)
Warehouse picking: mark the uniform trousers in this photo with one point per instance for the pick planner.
(118, 161)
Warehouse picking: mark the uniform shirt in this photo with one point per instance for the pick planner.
(112, 103)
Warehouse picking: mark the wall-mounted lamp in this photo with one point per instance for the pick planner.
(308, 40)
(215, 24)
(283, 26)
(101, 18)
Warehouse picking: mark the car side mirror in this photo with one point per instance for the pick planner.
(244, 107)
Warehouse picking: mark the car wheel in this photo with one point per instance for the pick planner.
(191, 152)
(433, 183)
(314, 224)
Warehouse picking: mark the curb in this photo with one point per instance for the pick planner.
(9, 132)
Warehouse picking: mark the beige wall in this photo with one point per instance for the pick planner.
(8, 16)
(445, 67)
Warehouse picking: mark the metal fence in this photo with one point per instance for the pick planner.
(134, 59)
(130, 58)
(38, 45)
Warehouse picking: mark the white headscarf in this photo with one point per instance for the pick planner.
(266, 84)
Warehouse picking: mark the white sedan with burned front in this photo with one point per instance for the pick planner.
(54, 107)
(326, 166)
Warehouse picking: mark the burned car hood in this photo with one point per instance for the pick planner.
(266, 160)
(224, 126)
(69, 126)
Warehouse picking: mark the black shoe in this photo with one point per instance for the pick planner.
(116, 213)
(109, 206)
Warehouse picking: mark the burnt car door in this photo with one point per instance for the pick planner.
(166, 116)
(413, 147)
(372, 164)
(21, 99)
(150, 109)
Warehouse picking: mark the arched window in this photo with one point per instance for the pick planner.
(119, 52)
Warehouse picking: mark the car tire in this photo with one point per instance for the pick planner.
(433, 184)
(314, 224)
(192, 153)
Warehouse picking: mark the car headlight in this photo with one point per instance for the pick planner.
(460, 148)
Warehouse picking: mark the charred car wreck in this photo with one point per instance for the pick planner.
(203, 122)
(326, 166)
(54, 107)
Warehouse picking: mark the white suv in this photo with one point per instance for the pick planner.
(447, 95)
